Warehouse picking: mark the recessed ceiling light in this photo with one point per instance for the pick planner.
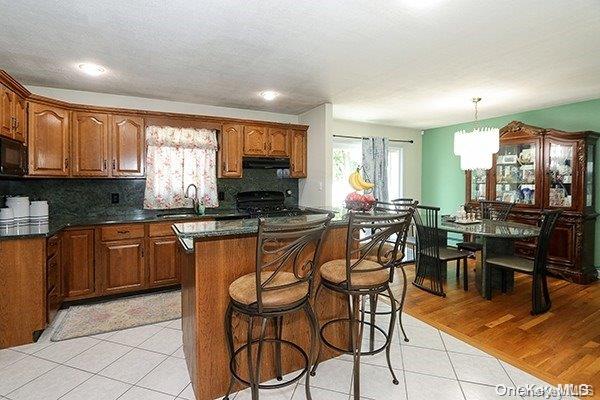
(92, 69)
(269, 95)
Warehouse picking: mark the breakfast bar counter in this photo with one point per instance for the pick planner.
(213, 254)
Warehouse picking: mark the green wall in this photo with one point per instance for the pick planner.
(443, 182)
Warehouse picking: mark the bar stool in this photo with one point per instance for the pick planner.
(286, 256)
(397, 205)
(355, 276)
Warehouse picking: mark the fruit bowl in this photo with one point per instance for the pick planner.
(358, 206)
(359, 202)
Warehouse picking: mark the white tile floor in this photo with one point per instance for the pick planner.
(147, 363)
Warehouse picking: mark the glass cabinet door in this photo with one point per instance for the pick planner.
(589, 176)
(560, 175)
(516, 173)
(478, 185)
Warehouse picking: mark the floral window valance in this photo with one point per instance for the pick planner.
(176, 158)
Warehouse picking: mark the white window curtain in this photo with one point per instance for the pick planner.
(177, 157)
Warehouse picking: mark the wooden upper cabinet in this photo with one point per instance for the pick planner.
(7, 121)
(20, 113)
(13, 111)
(297, 154)
(255, 140)
(231, 148)
(48, 140)
(278, 142)
(77, 258)
(89, 144)
(127, 137)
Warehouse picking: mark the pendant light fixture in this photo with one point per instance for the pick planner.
(477, 147)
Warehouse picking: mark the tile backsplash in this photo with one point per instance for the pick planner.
(93, 196)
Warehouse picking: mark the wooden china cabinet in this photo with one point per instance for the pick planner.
(539, 169)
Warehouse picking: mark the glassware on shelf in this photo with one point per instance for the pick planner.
(515, 173)
(560, 173)
(478, 184)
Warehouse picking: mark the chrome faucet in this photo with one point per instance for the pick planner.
(195, 200)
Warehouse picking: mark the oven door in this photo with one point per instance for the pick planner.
(13, 158)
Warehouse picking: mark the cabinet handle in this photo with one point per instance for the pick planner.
(66, 162)
(114, 164)
(104, 164)
(122, 232)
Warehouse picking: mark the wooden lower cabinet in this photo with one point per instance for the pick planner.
(54, 293)
(163, 268)
(112, 259)
(78, 264)
(22, 290)
(122, 266)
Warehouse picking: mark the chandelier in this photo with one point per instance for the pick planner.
(476, 148)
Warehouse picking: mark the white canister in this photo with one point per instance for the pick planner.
(20, 207)
(7, 217)
(38, 209)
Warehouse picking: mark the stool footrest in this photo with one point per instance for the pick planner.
(346, 351)
(281, 383)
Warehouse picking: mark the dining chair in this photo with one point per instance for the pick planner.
(432, 251)
(494, 210)
(540, 297)
(411, 238)
(396, 206)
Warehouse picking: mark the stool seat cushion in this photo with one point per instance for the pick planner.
(387, 249)
(334, 271)
(243, 290)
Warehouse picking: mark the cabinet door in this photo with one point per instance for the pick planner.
(230, 151)
(255, 141)
(48, 140)
(122, 265)
(561, 181)
(53, 287)
(517, 176)
(77, 258)
(89, 144)
(298, 154)
(128, 145)
(20, 113)
(278, 142)
(162, 263)
(7, 99)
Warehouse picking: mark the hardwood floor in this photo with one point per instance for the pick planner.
(561, 346)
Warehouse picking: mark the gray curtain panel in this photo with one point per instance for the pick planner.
(374, 161)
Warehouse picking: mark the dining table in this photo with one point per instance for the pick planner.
(497, 238)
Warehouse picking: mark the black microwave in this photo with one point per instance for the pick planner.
(13, 157)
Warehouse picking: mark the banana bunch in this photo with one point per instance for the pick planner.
(358, 183)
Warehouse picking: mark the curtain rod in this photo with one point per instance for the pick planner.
(358, 138)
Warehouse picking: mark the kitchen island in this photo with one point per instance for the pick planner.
(212, 255)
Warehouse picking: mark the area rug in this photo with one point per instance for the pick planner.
(108, 316)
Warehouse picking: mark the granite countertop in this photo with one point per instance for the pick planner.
(59, 222)
(187, 232)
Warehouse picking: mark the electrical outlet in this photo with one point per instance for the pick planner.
(114, 198)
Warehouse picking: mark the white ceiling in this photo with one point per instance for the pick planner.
(413, 63)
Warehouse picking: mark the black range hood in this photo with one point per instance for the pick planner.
(266, 163)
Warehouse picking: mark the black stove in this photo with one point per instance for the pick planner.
(265, 203)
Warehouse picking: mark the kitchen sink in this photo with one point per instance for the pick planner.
(172, 216)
